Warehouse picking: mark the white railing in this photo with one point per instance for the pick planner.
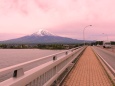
(46, 70)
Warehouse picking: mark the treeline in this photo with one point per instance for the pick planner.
(113, 42)
(13, 46)
(38, 46)
(101, 43)
(52, 46)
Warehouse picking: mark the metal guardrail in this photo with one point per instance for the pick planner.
(105, 62)
(45, 73)
(108, 68)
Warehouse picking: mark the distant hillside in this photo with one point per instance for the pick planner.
(42, 36)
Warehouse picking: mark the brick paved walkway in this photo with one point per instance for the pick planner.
(87, 72)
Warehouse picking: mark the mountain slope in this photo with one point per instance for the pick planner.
(42, 36)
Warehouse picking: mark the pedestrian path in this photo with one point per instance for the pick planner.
(87, 72)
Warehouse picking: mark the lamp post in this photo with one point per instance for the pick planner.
(84, 33)
(106, 36)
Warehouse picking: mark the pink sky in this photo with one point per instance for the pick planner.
(62, 17)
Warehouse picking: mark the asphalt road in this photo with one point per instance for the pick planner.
(108, 56)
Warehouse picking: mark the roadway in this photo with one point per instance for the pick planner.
(107, 55)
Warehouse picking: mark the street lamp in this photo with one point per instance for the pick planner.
(106, 36)
(84, 33)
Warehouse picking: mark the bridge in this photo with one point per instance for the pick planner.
(80, 66)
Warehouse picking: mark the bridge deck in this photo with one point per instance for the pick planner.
(87, 72)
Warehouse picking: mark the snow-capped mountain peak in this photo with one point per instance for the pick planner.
(42, 32)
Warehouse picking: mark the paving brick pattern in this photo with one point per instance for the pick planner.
(87, 72)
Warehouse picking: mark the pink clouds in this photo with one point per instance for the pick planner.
(59, 16)
(7, 36)
(13, 5)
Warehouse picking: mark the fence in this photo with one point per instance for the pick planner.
(46, 70)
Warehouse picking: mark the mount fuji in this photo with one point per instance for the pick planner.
(42, 32)
(40, 37)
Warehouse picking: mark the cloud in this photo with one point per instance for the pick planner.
(59, 16)
(7, 36)
(8, 6)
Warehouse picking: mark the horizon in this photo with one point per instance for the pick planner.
(37, 32)
(66, 18)
(52, 34)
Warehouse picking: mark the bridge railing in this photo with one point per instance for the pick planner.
(105, 62)
(46, 70)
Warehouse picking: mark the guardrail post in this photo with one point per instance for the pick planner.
(66, 53)
(54, 58)
(17, 73)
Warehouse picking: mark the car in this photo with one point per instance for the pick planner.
(98, 45)
(106, 44)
